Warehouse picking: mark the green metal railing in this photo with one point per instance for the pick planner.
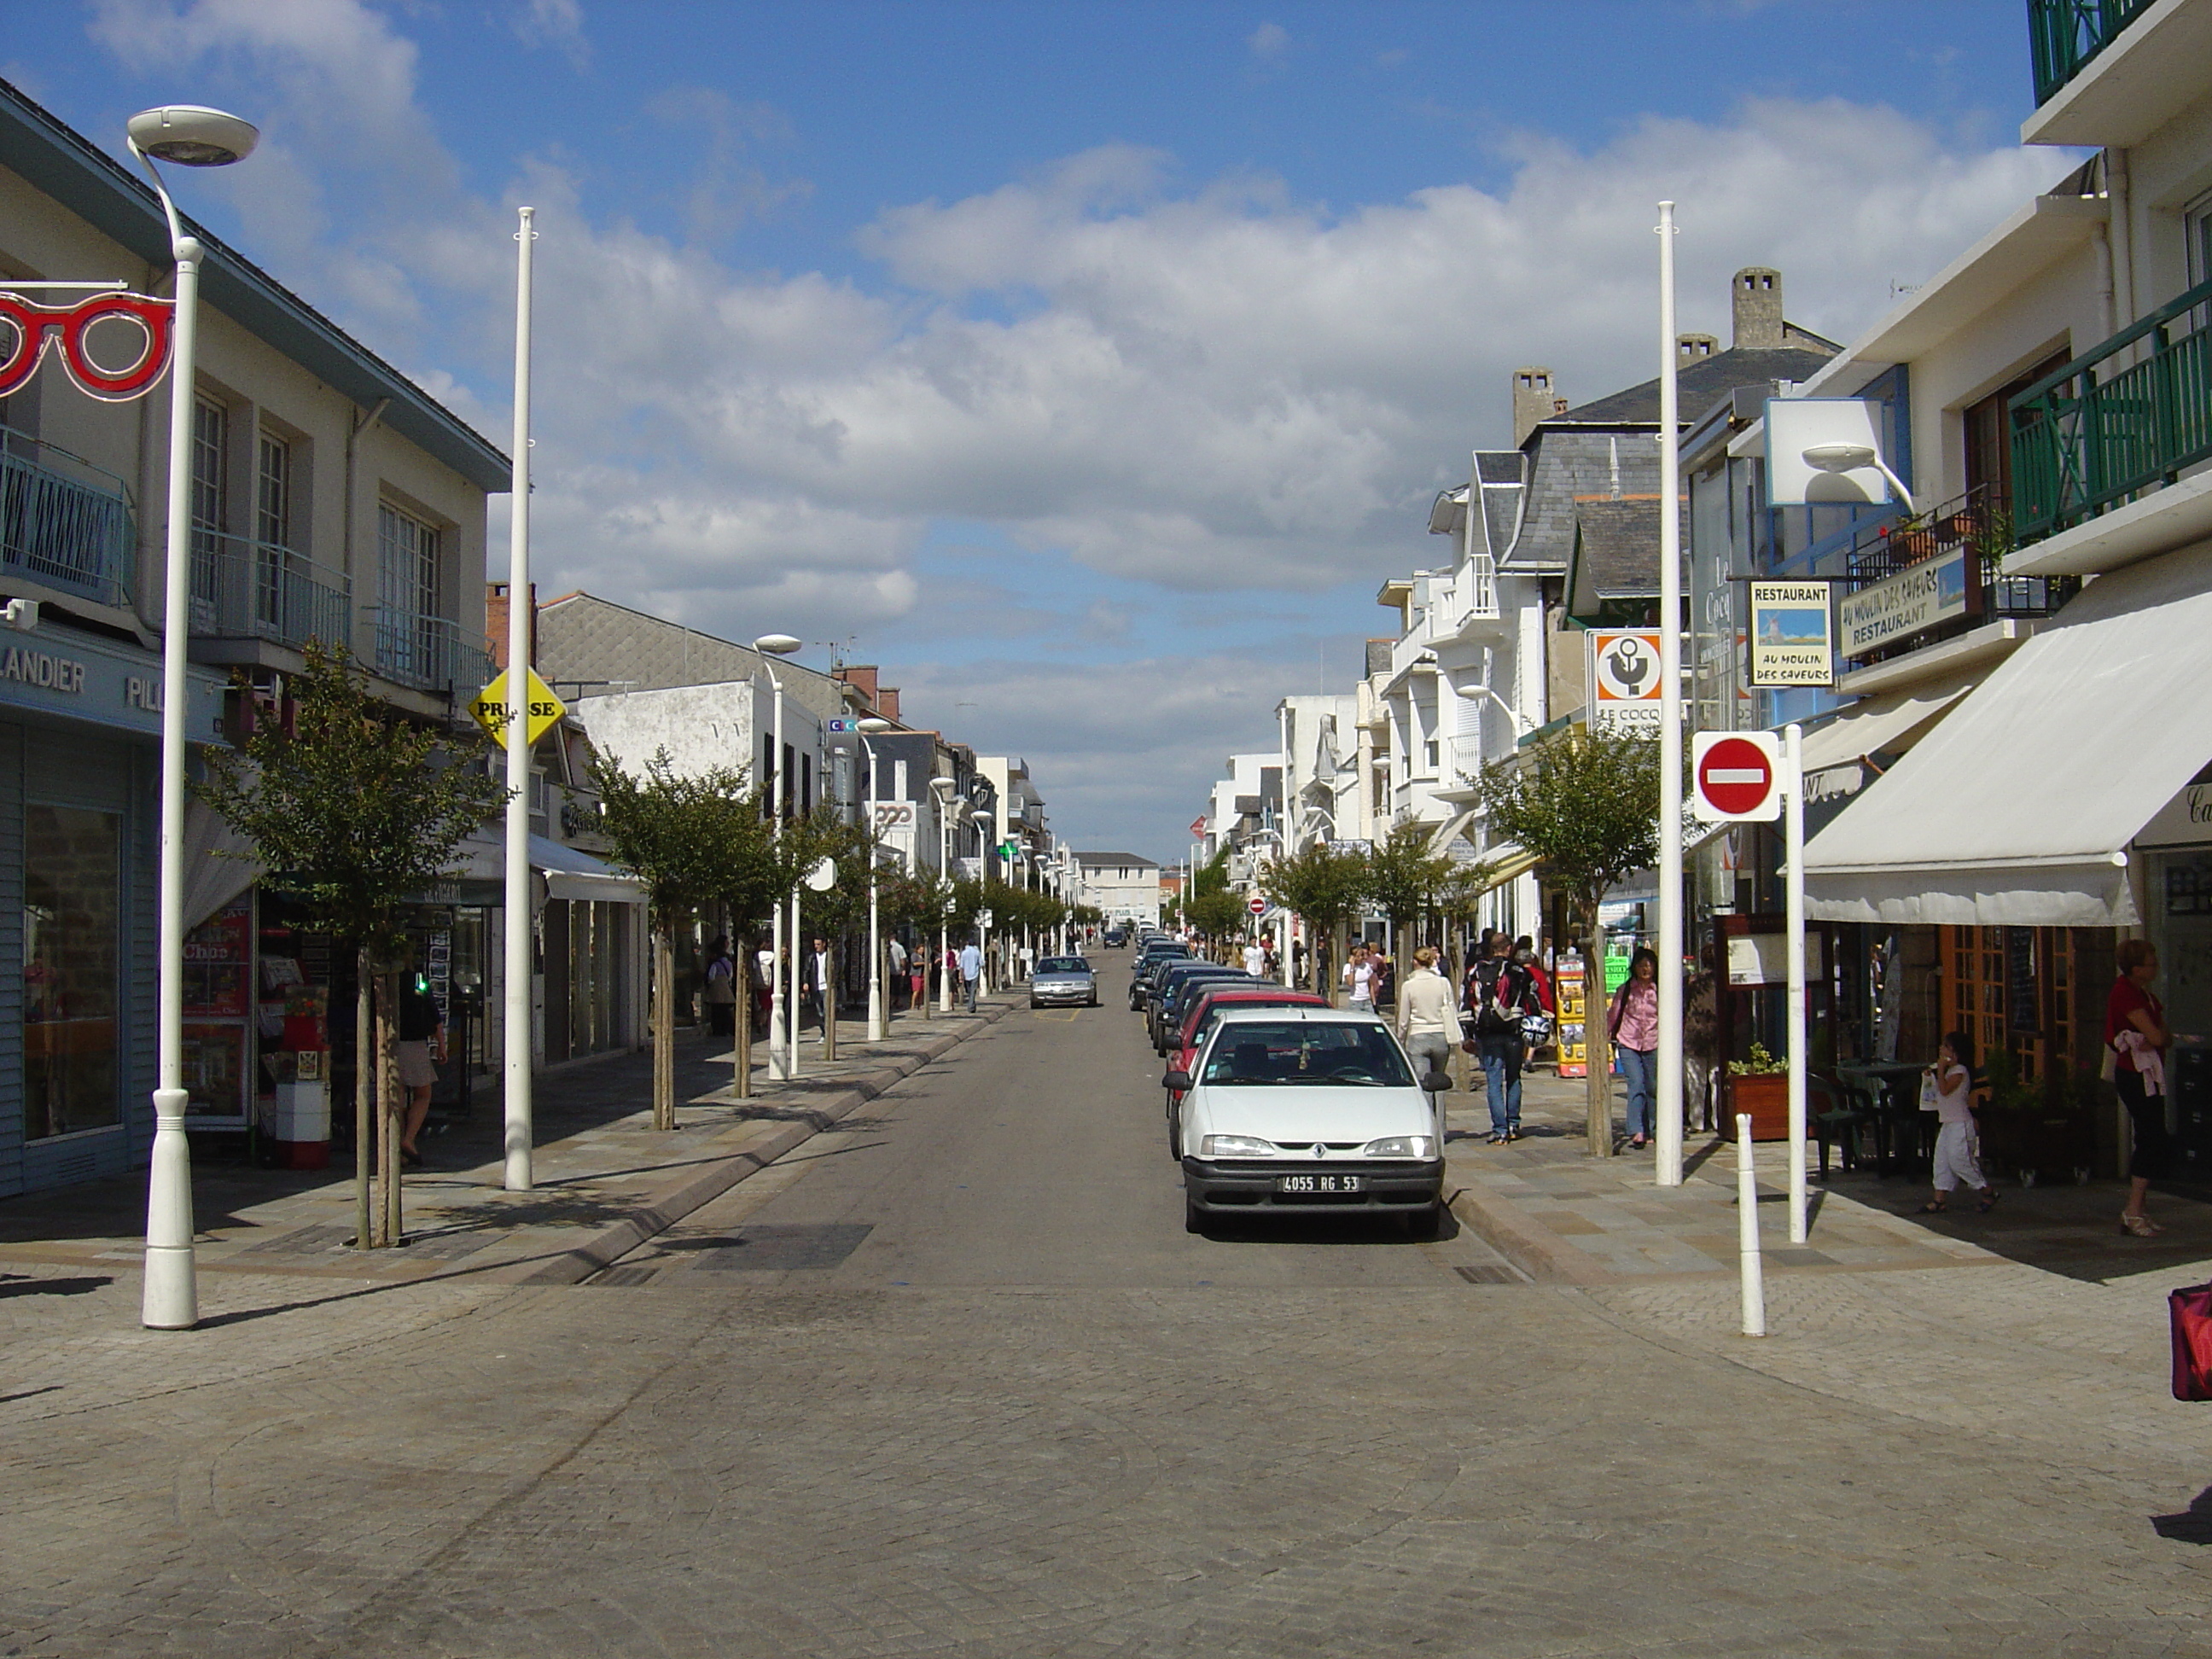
(2127, 415)
(64, 523)
(2063, 35)
(244, 589)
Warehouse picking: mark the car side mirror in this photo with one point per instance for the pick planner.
(1178, 1081)
(1437, 1082)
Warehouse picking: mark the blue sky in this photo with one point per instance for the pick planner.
(1086, 365)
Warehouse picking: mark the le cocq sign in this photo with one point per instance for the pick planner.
(1737, 777)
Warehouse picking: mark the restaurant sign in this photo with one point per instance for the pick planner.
(1917, 599)
(1792, 638)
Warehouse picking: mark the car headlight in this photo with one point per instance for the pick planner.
(1401, 1146)
(1235, 1147)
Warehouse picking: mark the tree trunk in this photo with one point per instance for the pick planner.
(664, 1029)
(830, 982)
(1597, 1042)
(1339, 937)
(391, 1103)
(364, 1092)
(741, 1070)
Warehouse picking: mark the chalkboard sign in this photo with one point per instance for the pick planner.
(2022, 1005)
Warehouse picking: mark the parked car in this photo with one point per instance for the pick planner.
(1061, 981)
(1206, 1008)
(1171, 994)
(1148, 964)
(1308, 1111)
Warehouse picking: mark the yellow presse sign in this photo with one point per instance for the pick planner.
(489, 707)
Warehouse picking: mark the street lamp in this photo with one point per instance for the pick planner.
(943, 788)
(782, 1052)
(190, 137)
(1849, 458)
(867, 728)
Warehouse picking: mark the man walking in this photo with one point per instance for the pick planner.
(1499, 992)
(815, 980)
(971, 971)
(896, 952)
(1255, 959)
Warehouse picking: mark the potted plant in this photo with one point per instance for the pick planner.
(1760, 1087)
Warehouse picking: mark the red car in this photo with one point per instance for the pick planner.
(1205, 1009)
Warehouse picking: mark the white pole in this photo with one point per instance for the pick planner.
(875, 938)
(798, 956)
(1793, 905)
(779, 1036)
(1753, 1279)
(944, 926)
(1667, 1155)
(170, 1297)
(520, 1037)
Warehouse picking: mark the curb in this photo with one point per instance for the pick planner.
(605, 1247)
(1537, 1251)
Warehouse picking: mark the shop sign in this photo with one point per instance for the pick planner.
(1792, 638)
(1755, 959)
(1623, 676)
(543, 708)
(1917, 599)
(2185, 821)
(86, 678)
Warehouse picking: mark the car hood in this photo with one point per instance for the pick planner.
(1305, 1113)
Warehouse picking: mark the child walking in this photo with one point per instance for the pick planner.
(1954, 1139)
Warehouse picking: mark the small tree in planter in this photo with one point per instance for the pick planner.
(357, 814)
(1405, 880)
(1587, 804)
(1325, 887)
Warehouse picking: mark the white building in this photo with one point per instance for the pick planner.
(1124, 887)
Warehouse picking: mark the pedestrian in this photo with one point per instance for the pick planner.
(1026, 957)
(1497, 994)
(764, 984)
(1359, 980)
(816, 982)
(421, 1034)
(1428, 1017)
(2136, 1032)
(917, 990)
(1951, 1080)
(1255, 959)
(1632, 1024)
(970, 965)
(896, 952)
(1524, 953)
(721, 995)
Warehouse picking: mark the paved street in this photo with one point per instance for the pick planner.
(953, 1379)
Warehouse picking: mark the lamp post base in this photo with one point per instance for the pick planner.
(171, 1299)
(875, 1009)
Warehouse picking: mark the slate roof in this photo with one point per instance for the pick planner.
(1700, 381)
(1130, 859)
(1566, 464)
(582, 637)
(1616, 552)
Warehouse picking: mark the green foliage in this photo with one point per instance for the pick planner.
(1761, 1064)
(688, 841)
(1585, 803)
(1215, 912)
(1326, 887)
(1404, 879)
(356, 813)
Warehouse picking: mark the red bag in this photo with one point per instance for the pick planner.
(2190, 1312)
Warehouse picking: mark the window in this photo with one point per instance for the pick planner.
(210, 465)
(407, 563)
(2196, 226)
(72, 969)
(273, 499)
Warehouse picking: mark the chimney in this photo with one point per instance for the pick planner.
(1755, 296)
(861, 676)
(887, 703)
(496, 624)
(1694, 347)
(1535, 400)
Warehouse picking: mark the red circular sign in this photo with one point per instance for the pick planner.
(1735, 776)
(1259, 905)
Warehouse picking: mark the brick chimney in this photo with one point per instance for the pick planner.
(496, 624)
(1755, 300)
(1535, 400)
(887, 702)
(861, 676)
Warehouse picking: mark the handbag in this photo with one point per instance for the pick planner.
(1929, 1098)
(2190, 1313)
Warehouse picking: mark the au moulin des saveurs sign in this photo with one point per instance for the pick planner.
(1915, 600)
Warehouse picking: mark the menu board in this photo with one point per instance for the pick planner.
(1569, 982)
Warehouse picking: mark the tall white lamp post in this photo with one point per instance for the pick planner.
(781, 1048)
(520, 1038)
(868, 727)
(943, 788)
(191, 137)
(1667, 1155)
(986, 821)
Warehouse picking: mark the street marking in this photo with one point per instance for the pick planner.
(1064, 1017)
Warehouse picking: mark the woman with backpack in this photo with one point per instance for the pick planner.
(1497, 994)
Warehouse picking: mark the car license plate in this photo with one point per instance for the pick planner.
(1317, 1183)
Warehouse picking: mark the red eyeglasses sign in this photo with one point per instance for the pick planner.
(29, 329)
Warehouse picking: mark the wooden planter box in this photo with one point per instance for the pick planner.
(1766, 1096)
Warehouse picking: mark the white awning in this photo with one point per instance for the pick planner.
(569, 874)
(1882, 725)
(2018, 808)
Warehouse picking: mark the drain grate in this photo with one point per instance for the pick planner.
(1499, 1275)
(788, 1248)
(625, 1276)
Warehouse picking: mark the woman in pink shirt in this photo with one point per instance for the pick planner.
(1632, 1022)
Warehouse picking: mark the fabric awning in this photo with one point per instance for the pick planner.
(569, 874)
(2018, 808)
(1513, 861)
(1882, 725)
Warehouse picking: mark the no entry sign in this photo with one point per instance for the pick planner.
(1738, 776)
(1258, 904)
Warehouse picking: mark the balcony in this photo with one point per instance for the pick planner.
(64, 523)
(2124, 417)
(429, 653)
(2063, 35)
(249, 590)
(1979, 526)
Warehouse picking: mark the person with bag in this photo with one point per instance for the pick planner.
(1428, 1017)
(1632, 1024)
(720, 995)
(1498, 994)
(2136, 1032)
(1947, 1088)
(1359, 980)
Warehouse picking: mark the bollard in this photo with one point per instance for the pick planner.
(1746, 1232)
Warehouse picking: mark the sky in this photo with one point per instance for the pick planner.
(1085, 366)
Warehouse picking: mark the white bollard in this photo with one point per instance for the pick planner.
(1746, 1232)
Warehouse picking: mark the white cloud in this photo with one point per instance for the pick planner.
(1269, 42)
(556, 23)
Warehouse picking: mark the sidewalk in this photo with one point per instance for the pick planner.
(605, 1179)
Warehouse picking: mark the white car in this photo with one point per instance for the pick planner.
(1308, 1111)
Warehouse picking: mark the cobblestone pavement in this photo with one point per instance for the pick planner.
(953, 1379)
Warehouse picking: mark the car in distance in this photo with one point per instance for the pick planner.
(1114, 938)
(1308, 1111)
(1062, 982)
(1176, 988)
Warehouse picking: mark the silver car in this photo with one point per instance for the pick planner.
(1060, 981)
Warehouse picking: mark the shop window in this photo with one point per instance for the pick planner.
(72, 969)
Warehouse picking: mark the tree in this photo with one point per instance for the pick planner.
(1404, 879)
(1587, 804)
(689, 841)
(1328, 889)
(356, 814)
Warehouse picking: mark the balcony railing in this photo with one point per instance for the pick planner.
(248, 590)
(429, 653)
(2125, 417)
(64, 523)
(2063, 35)
(1981, 523)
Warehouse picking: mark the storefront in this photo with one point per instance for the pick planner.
(80, 728)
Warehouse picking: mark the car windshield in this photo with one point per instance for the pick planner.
(1063, 965)
(1335, 1055)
